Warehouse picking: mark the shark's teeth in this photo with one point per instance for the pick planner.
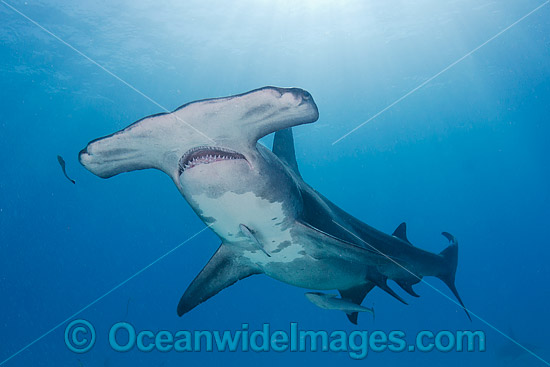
(206, 155)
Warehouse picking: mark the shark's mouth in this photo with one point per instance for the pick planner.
(206, 155)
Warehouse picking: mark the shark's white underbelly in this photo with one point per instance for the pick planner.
(269, 221)
(290, 259)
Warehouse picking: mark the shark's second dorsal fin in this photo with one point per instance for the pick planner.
(401, 232)
(224, 269)
(283, 147)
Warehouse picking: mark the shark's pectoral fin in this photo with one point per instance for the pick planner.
(283, 147)
(224, 269)
(356, 295)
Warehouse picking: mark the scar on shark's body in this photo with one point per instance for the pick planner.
(269, 220)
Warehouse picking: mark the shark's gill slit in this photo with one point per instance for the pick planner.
(206, 155)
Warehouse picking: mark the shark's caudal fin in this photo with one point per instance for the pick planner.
(450, 261)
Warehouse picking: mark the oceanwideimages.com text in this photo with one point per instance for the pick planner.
(123, 337)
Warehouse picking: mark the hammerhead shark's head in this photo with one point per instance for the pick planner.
(269, 220)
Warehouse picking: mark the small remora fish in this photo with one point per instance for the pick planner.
(62, 164)
(331, 302)
(248, 233)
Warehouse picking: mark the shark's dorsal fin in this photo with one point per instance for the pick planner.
(283, 147)
(401, 232)
(224, 269)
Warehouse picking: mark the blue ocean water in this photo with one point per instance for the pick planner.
(466, 153)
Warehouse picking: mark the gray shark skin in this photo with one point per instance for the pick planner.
(331, 302)
(268, 219)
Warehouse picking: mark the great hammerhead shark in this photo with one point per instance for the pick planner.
(269, 220)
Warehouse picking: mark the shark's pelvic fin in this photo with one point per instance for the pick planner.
(450, 262)
(248, 233)
(356, 295)
(401, 232)
(283, 147)
(381, 281)
(223, 270)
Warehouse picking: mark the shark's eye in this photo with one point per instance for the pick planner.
(306, 95)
